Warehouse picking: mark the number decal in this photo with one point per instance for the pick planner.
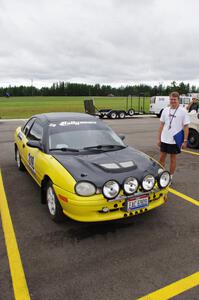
(31, 162)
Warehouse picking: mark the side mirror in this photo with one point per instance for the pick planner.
(35, 144)
(122, 136)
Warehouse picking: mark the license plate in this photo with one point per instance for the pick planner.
(137, 202)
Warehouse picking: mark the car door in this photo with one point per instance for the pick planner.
(34, 155)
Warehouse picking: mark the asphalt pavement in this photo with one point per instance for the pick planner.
(123, 259)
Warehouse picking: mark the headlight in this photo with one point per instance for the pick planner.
(130, 185)
(148, 182)
(111, 189)
(85, 188)
(164, 179)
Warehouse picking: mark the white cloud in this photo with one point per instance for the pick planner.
(107, 41)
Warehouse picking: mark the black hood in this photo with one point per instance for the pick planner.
(103, 166)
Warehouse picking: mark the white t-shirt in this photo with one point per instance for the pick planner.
(174, 121)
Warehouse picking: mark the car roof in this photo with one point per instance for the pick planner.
(63, 116)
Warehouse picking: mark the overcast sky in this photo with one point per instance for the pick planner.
(106, 41)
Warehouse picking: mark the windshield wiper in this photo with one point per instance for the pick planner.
(64, 149)
(99, 147)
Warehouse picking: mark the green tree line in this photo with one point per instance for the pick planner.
(79, 89)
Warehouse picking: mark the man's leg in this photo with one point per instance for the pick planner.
(162, 160)
(172, 163)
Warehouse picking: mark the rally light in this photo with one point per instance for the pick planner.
(130, 185)
(164, 179)
(148, 182)
(85, 188)
(111, 189)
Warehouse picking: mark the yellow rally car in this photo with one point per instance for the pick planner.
(84, 169)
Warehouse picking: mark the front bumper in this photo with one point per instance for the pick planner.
(90, 209)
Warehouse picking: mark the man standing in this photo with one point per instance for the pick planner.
(174, 120)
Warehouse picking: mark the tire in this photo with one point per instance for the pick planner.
(193, 139)
(113, 115)
(121, 115)
(54, 207)
(131, 112)
(20, 165)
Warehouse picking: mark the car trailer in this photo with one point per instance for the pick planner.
(109, 113)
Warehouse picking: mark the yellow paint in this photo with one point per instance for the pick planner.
(17, 273)
(174, 289)
(193, 201)
(190, 152)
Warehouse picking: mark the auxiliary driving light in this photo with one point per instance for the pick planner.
(130, 185)
(164, 179)
(148, 182)
(111, 189)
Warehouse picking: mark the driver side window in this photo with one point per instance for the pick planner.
(27, 126)
(36, 132)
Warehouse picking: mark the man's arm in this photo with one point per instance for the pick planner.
(159, 133)
(186, 134)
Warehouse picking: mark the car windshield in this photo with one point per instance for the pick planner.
(84, 137)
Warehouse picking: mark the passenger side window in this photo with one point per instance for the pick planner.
(36, 132)
(27, 126)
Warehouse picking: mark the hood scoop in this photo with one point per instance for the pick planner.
(118, 166)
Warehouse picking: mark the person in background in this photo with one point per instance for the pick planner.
(174, 121)
(193, 105)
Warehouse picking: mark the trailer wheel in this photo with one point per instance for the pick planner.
(193, 138)
(113, 115)
(131, 112)
(121, 114)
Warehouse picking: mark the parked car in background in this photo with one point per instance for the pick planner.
(194, 130)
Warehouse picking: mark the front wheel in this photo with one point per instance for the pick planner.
(20, 165)
(193, 139)
(54, 207)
